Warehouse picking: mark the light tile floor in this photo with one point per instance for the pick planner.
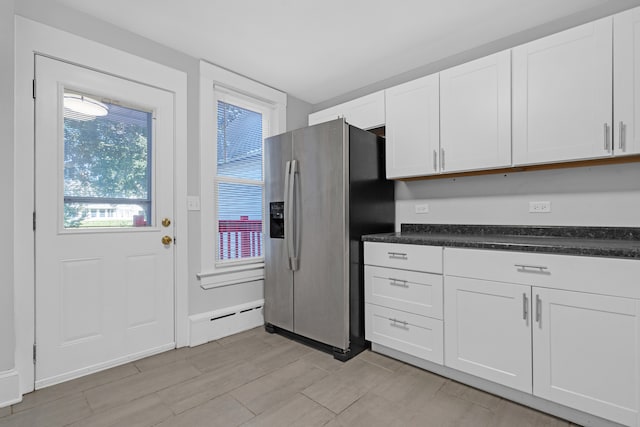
(258, 379)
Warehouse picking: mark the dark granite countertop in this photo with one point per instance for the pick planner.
(611, 242)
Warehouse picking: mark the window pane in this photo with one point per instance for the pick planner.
(239, 211)
(107, 162)
(239, 142)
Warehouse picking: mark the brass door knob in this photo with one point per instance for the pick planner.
(166, 222)
(166, 240)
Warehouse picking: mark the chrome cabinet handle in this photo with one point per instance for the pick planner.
(621, 136)
(397, 255)
(538, 310)
(399, 323)
(398, 282)
(525, 306)
(524, 267)
(442, 158)
(435, 160)
(606, 138)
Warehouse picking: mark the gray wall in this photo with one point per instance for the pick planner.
(90, 28)
(590, 196)
(7, 340)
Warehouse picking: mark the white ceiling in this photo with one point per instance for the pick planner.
(316, 50)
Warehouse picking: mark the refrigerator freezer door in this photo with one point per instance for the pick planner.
(321, 234)
(278, 289)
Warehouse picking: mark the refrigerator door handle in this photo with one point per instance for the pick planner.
(287, 214)
(295, 237)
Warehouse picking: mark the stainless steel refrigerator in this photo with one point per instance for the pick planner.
(325, 187)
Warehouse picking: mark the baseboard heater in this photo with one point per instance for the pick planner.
(217, 324)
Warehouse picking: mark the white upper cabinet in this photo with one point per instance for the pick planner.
(626, 82)
(366, 112)
(562, 96)
(475, 114)
(413, 128)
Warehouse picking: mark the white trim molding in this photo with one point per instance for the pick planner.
(33, 37)
(216, 82)
(9, 388)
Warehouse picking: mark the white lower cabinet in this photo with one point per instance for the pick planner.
(586, 352)
(488, 330)
(403, 298)
(564, 329)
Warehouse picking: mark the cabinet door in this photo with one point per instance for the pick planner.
(487, 330)
(413, 128)
(475, 113)
(326, 115)
(586, 352)
(626, 82)
(562, 95)
(366, 112)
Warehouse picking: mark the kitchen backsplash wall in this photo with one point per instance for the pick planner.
(590, 196)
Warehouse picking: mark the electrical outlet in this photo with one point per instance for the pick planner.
(539, 207)
(422, 209)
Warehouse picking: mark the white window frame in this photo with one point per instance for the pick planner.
(219, 84)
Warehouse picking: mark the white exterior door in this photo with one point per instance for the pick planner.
(562, 96)
(413, 128)
(488, 330)
(475, 114)
(104, 202)
(586, 353)
(626, 82)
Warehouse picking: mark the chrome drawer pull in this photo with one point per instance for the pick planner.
(525, 266)
(399, 323)
(398, 282)
(397, 255)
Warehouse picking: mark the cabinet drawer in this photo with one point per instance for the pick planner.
(616, 277)
(412, 334)
(407, 257)
(415, 292)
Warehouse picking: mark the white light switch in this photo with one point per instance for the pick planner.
(422, 209)
(193, 203)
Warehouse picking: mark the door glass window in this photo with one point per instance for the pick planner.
(107, 163)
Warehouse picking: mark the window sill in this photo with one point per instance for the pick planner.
(233, 275)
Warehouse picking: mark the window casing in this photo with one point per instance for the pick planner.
(228, 177)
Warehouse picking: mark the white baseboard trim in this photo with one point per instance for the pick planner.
(212, 325)
(9, 388)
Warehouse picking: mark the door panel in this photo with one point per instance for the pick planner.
(278, 284)
(562, 95)
(104, 279)
(487, 325)
(626, 82)
(320, 283)
(475, 114)
(586, 353)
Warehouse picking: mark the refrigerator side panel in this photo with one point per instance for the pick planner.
(371, 210)
(278, 283)
(320, 283)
